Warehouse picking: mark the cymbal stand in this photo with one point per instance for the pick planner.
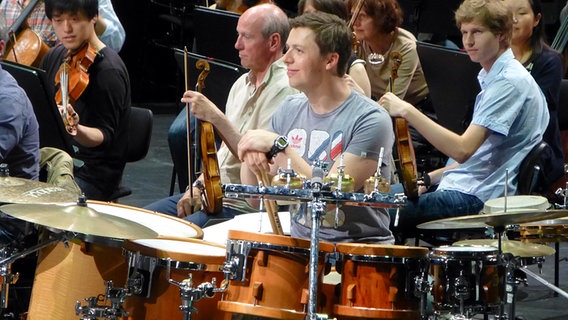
(8, 277)
(422, 287)
(189, 294)
(94, 311)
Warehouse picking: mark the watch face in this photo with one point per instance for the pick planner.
(281, 142)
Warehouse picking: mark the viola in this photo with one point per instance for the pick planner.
(211, 191)
(24, 45)
(71, 80)
(406, 162)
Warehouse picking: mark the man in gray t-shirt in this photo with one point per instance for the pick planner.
(323, 122)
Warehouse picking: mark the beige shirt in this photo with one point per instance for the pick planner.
(410, 85)
(249, 108)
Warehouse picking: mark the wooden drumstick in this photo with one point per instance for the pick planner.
(271, 207)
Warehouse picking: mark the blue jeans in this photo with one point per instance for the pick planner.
(177, 141)
(91, 191)
(200, 218)
(433, 206)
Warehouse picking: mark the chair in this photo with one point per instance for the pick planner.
(562, 108)
(533, 175)
(139, 136)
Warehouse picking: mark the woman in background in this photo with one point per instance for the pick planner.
(544, 64)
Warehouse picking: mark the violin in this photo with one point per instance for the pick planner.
(211, 191)
(406, 162)
(71, 80)
(355, 43)
(24, 45)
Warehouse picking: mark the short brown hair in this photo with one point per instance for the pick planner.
(331, 35)
(386, 14)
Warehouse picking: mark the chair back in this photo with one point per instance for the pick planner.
(139, 133)
(534, 174)
(562, 108)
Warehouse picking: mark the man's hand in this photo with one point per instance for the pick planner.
(70, 119)
(253, 147)
(201, 107)
(188, 204)
(394, 105)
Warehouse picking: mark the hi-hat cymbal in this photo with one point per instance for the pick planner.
(18, 190)
(516, 248)
(79, 219)
(493, 219)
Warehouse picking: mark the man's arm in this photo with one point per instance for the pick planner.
(458, 147)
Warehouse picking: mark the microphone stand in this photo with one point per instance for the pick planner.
(318, 210)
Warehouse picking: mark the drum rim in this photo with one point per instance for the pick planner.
(177, 256)
(277, 240)
(371, 249)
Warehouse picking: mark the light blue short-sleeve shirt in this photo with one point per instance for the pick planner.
(512, 106)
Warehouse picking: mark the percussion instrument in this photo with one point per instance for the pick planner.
(493, 219)
(466, 279)
(375, 199)
(270, 275)
(378, 281)
(266, 192)
(18, 190)
(250, 222)
(65, 275)
(151, 259)
(79, 219)
(516, 248)
(546, 231)
(515, 203)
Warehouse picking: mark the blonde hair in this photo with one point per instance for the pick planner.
(493, 14)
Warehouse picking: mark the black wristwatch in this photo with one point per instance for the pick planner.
(280, 144)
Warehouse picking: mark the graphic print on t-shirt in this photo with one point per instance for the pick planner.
(319, 143)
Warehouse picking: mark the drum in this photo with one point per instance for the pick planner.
(516, 203)
(379, 281)
(65, 275)
(272, 275)
(472, 274)
(149, 260)
(547, 231)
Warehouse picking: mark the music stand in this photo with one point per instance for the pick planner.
(215, 34)
(220, 80)
(52, 132)
(452, 81)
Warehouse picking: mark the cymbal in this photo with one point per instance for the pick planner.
(79, 219)
(493, 219)
(516, 248)
(18, 190)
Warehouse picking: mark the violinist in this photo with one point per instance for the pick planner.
(98, 113)
(327, 119)
(108, 28)
(509, 118)
(262, 32)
